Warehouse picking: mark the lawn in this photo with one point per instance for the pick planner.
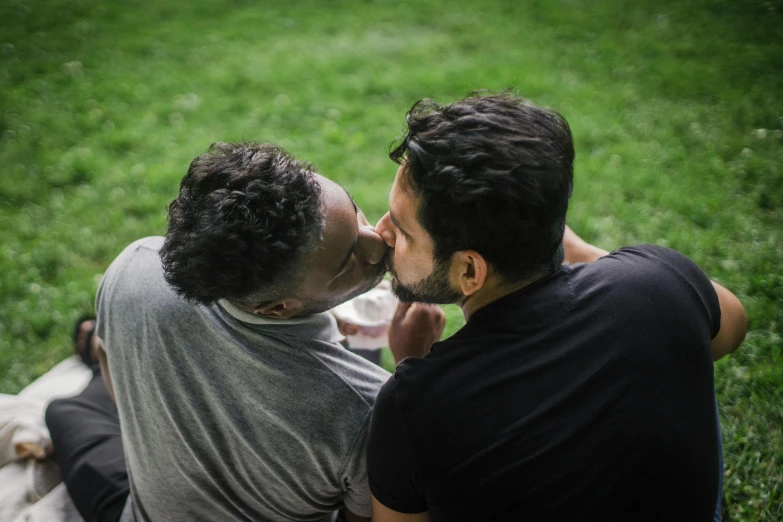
(676, 108)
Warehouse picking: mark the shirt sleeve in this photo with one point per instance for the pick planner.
(392, 470)
(356, 496)
(678, 276)
(107, 295)
(103, 296)
(100, 309)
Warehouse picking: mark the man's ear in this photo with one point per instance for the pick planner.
(468, 271)
(280, 309)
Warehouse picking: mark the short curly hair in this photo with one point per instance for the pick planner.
(494, 173)
(244, 216)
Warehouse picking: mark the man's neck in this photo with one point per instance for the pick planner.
(492, 291)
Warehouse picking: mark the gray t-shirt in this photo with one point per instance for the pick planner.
(226, 415)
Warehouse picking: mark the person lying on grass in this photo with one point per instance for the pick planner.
(234, 400)
(580, 391)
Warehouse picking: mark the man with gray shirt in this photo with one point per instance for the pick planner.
(234, 399)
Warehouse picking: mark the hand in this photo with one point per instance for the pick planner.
(414, 328)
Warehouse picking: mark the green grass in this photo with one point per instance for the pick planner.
(677, 110)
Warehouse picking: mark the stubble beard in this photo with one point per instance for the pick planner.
(433, 289)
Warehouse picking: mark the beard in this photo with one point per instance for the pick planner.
(433, 289)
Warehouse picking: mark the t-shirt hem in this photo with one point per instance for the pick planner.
(396, 505)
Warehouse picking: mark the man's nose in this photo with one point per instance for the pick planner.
(384, 229)
(371, 245)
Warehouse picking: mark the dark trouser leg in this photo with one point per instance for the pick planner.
(85, 433)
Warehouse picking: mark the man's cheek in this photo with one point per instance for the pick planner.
(403, 265)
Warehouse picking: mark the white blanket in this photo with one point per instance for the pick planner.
(31, 488)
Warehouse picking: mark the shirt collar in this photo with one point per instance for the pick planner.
(322, 327)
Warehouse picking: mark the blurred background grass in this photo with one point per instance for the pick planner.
(676, 108)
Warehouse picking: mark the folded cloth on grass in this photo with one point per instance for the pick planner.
(31, 488)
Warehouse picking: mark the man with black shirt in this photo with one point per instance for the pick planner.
(579, 391)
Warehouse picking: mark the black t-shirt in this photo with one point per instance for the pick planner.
(588, 395)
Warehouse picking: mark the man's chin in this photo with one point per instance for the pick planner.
(402, 292)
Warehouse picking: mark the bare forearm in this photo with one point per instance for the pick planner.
(577, 250)
(353, 517)
(104, 363)
(733, 323)
(381, 513)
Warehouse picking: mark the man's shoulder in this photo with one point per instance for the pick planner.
(645, 254)
(351, 374)
(150, 243)
(642, 265)
(143, 251)
(143, 247)
(664, 284)
(417, 381)
(311, 342)
(137, 271)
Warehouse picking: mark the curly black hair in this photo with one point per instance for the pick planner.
(244, 216)
(494, 173)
